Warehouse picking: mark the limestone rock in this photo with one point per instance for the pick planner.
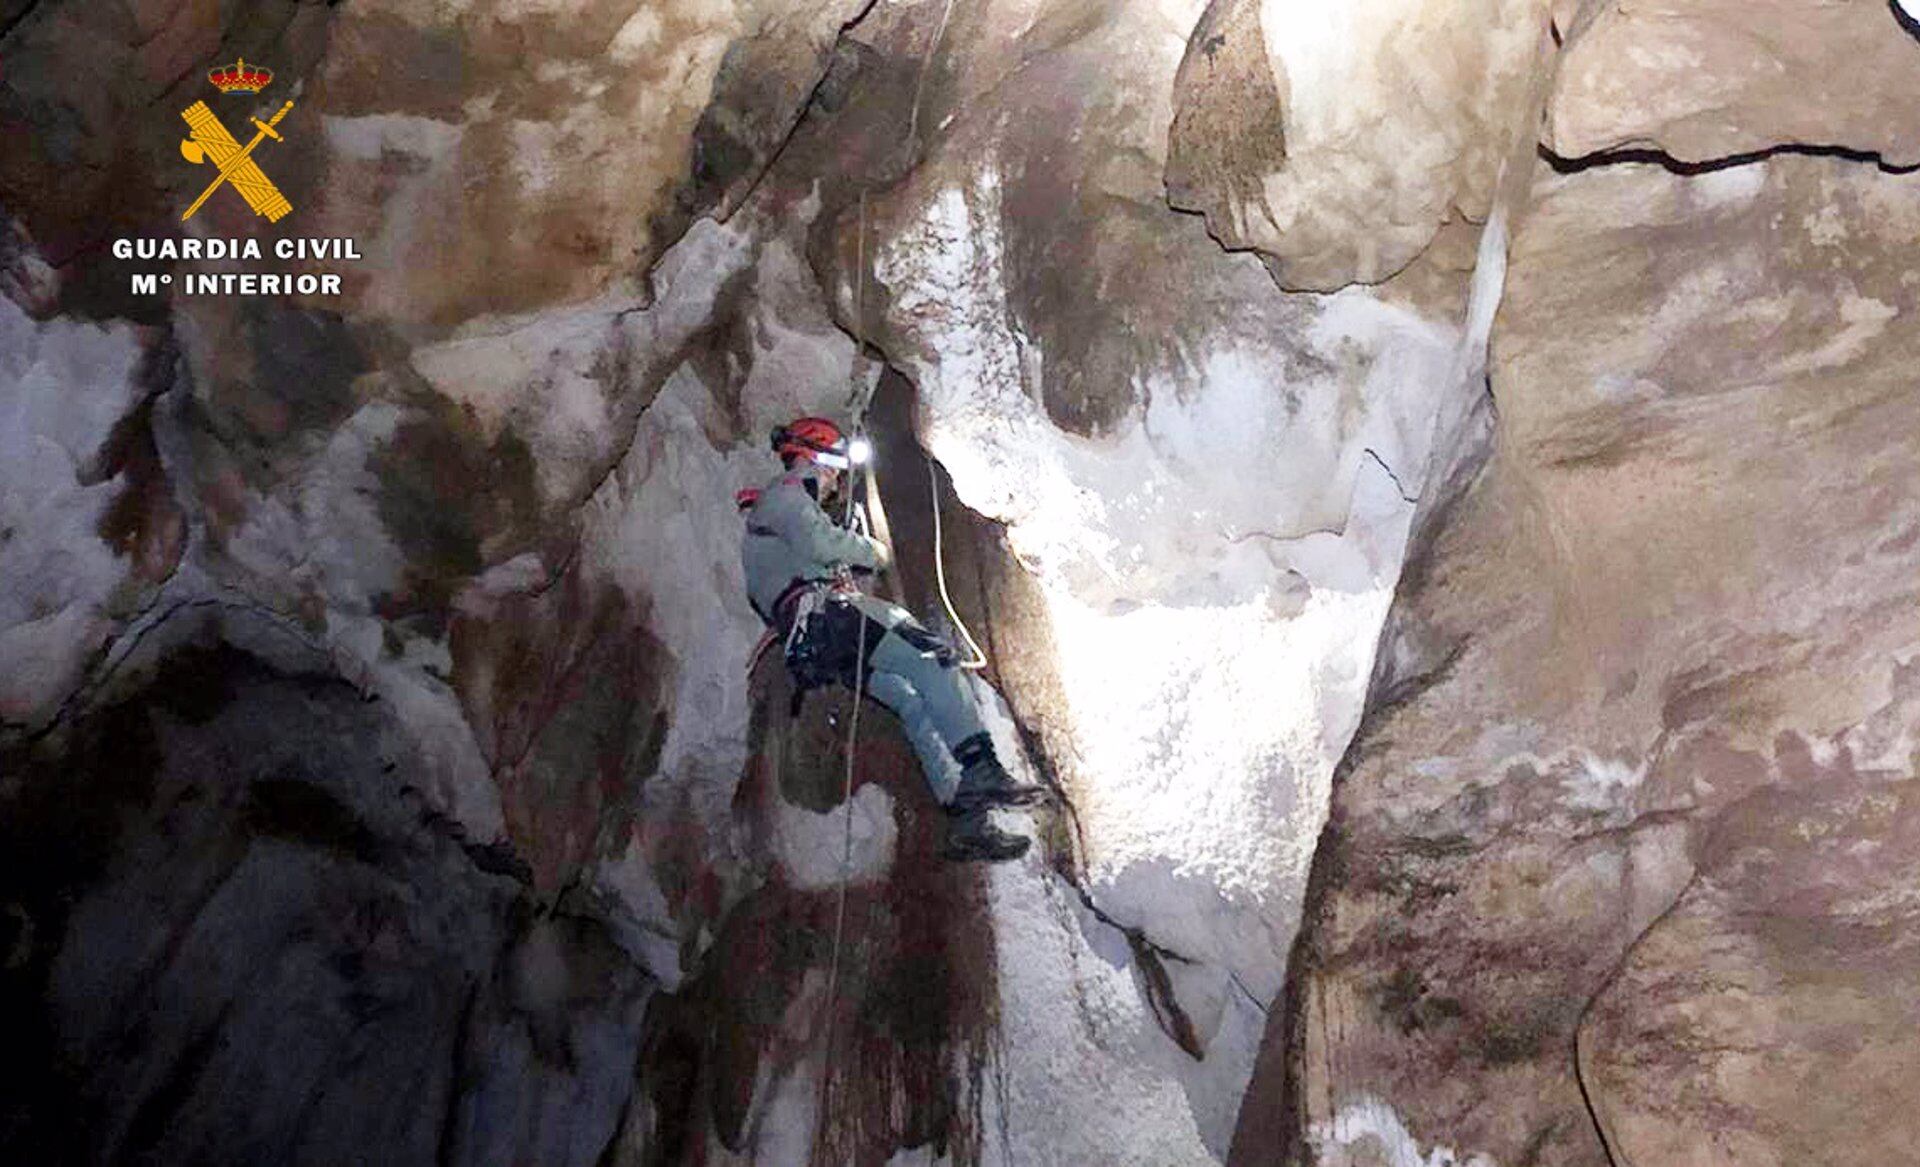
(481, 183)
(897, 1020)
(1359, 129)
(1609, 647)
(1787, 967)
(1703, 81)
(1176, 452)
(380, 774)
(88, 524)
(254, 941)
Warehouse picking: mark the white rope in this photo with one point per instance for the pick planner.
(977, 659)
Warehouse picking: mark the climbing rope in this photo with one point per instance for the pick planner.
(862, 397)
(976, 660)
(840, 900)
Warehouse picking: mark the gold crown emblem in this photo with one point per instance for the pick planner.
(240, 77)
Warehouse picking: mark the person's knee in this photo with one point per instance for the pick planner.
(894, 691)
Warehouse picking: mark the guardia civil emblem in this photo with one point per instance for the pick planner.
(211, 144)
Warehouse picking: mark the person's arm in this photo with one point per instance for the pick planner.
(837, 544)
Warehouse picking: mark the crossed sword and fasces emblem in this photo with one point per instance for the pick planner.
(211, 141)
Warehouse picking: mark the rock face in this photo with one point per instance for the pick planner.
(1787, 966)
(1517, 423)
(253, 941)
(1357, 129)
(90, 527)
(1195, 469)
(829, 1023)
(482, 184)
(499, 507)
(1644, 689)
(1702, 81)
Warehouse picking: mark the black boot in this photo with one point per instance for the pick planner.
(971, 836)
(984, 782)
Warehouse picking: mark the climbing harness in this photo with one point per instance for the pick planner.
(818, 641)
(807, 669)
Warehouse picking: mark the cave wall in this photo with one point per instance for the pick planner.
(475, 495)
(238, 933)
(1337, 140)
(1648, 676)
(490, 484)
(1195, 323)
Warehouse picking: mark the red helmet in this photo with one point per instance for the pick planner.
(813, 438)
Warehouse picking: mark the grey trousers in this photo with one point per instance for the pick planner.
(916, 675)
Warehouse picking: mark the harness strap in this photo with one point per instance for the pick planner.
(804, 603)
(782, 603)
(793, 613)
(759, 650)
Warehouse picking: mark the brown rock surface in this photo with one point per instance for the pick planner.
(1686, 576)
(1360, 129)
(482, 181)
(899, 1019)
(1768, 1017)
(1701, 79)
(378, 768)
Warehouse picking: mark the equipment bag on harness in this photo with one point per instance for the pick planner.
(824, 643)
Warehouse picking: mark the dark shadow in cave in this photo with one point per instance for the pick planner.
(240, 936)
